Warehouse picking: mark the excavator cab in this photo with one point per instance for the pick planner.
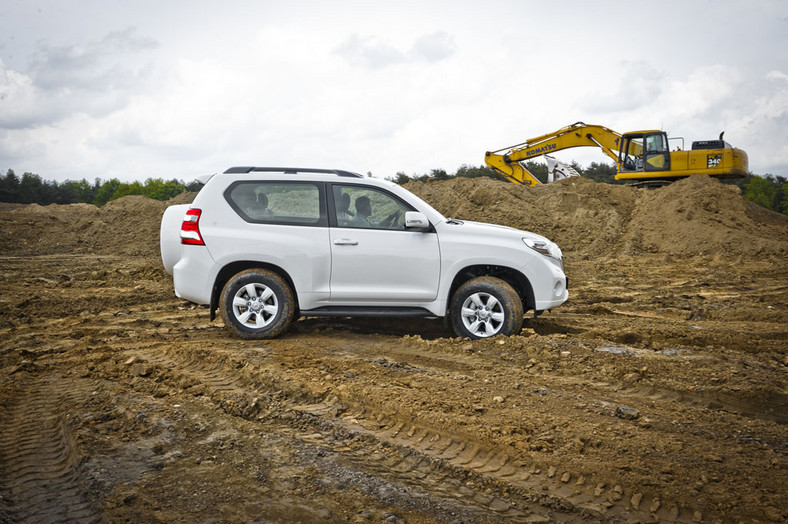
(644, 151)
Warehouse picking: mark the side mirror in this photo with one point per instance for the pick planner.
(416, 220)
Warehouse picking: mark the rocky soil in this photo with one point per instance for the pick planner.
(657, 393)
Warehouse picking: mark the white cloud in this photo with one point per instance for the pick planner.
(373, 53)
(369, 52)
(705, 93)
(776, 75)
(637, 84)
(434, 47)
(394, 87)
(93, 67)
(94, 79)
(18, 99)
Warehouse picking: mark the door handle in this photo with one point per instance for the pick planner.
(345, 242)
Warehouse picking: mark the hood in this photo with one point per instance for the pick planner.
(516, 235)
(483, 227)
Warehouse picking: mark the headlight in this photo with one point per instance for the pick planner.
(547, 249)
(539, 246)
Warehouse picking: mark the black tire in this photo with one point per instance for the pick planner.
(485, 307)
(257, 303)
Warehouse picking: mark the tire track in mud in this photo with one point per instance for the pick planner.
(771, 406)
(318, 425)
(766, 405)
(39, 460)
(395, 446)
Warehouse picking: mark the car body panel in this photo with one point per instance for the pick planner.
(370, 265)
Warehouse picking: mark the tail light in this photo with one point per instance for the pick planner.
(190, 229)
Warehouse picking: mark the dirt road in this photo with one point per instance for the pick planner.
(657, 393)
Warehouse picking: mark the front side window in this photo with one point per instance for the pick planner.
(368, 208)
(295, 203)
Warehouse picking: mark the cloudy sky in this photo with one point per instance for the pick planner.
(175, 89)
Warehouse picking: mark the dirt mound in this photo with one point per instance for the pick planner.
(187, 197)
(582, 216)
(695, 216)
(701, 216)
(129, 226)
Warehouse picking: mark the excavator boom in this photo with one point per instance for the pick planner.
(578, 134)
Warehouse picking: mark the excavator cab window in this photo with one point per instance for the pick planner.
(656, 156)
(630, 156)
(644, 152)
(655, 144)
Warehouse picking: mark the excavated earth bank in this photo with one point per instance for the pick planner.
(657, 393)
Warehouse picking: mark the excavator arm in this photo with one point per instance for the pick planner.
(578, 134)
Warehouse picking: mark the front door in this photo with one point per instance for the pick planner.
(374, 259)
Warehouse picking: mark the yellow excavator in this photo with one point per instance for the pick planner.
(642, 157)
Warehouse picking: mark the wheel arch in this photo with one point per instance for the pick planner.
(514, 278)
(233, 268)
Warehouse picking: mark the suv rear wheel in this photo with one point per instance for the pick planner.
(484, 307)
(257, 303)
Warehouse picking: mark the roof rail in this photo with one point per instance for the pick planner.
(291, 170)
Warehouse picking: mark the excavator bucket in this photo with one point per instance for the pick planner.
(557, 170)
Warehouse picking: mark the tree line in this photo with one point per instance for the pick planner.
(30, 188)
(769, 191)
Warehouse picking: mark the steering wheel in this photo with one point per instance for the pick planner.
(390, 221)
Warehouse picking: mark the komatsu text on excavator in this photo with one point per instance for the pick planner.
(642, 157)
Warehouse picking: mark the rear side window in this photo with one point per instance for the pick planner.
(291, 203)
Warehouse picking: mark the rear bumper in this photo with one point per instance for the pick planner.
(193, 275)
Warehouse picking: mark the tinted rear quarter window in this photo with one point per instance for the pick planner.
(296, 203)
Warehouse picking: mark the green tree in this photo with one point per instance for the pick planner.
(71, 192)
(537, 169)
(439, 174)
(784, 203)
(600, 172)
(763, 191)
(125, 189)
(400, 178)
(34, 190)
(105, 192)
(467, 171)
(158, 189)
(9, 187)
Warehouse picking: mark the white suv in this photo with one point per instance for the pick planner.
(268, 245)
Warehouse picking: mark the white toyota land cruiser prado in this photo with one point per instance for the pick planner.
(265, 246)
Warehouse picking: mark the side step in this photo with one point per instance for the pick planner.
(370, 311)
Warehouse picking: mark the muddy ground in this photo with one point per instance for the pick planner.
(657, 393)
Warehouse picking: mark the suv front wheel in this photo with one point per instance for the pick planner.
(257, 303)
(484, 307)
